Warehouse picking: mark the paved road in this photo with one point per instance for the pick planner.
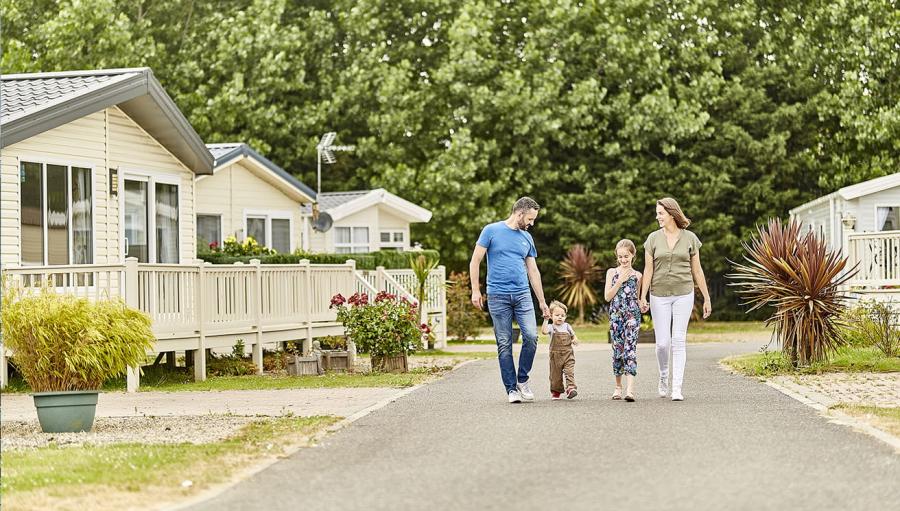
(456, 444)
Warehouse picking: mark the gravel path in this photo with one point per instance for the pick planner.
(456, 444)
(198, 429)
(869, 389)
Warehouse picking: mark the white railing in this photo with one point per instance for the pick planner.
(200, 306)
(878, 256)
(404, 283)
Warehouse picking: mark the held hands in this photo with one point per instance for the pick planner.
(644, 306)
(545, 311)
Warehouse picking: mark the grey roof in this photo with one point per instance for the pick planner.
(331, 200)
(224, 152)
(33, 103)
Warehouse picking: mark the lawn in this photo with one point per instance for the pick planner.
(159, 378)
(887, 419)
(698, 331)
(122, 476)
(846, 359)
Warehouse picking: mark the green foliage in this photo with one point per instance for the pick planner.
(844, 359)
(384, 327)
(60, 342)
(390, 259)
(463, 319)
(421, 266)
(873, 324)
(235, 363)
(739, 110)
(249, 247)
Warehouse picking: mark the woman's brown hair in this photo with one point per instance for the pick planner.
(671, 206)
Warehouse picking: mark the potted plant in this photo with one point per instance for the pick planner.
(386, 328)
(66, 347)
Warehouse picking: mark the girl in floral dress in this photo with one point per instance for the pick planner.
(622, 285)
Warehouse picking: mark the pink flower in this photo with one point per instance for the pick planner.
(384, 295)
(358, 299)
(337, 300)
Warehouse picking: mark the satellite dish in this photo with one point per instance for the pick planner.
(323, 222)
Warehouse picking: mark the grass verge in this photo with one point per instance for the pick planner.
(846, 359)
(432, 363)
(182, 380)
(887, 419)
(135, 475)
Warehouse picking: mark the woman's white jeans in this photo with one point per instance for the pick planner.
(670, 321)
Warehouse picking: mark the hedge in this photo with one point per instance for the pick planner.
(390, 259)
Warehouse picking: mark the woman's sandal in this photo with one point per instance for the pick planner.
(629, 397)
(617, 395)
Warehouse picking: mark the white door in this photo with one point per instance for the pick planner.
(150, 217)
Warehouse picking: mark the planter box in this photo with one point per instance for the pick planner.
(66, 412)
(337, 360)
(305, 366)
(391, 364)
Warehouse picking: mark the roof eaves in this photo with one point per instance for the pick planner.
(813, 203)
(245, 151)
(177, 118)
(70, 108)
(871, 186)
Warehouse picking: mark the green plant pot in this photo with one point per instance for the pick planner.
(66, 412)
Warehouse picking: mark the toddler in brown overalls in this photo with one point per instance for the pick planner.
(562, 356)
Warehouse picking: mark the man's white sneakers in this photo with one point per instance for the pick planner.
(676, 395)
(514, 396)
(525, 391)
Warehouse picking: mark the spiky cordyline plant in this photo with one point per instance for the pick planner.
(579, 271)
(797, 275)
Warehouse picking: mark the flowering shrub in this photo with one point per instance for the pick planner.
(249, 247)
(384, 327)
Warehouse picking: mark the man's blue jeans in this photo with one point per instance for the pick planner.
(504, 308)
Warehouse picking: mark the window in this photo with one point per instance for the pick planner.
(887, 218)
(256, 229)
(209, 229)
(166, 223)
(272, 229)
(281, 235)
(393, 239)
(351, 240)
(57, 214)
(150, 219)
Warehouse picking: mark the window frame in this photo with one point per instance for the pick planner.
(197, 226)
(351, 245)
(269, 215)
(43, 161)
(875, 215)
(393, 243)
(152, 178)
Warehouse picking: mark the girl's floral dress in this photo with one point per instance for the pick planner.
(624, 326)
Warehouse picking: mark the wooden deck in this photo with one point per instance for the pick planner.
(198, 307)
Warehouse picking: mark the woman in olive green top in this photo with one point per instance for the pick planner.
(671, 268)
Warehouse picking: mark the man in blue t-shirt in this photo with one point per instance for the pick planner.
(510, 266)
